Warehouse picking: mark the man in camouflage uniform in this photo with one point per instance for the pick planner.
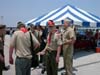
(68, 41)
(2, 33)
(52, 49)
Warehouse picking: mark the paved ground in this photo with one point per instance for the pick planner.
(84, 63)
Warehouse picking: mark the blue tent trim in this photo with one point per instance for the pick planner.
(52, 14)
(84, 14)
(86, 24)
(39, 18)
(95, 16)
(98, 24)
(68, 11)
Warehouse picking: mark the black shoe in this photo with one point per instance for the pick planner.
(6, 68)
(43, 70)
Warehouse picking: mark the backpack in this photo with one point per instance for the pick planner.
(34, 59)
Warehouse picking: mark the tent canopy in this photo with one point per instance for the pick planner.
(77, 15)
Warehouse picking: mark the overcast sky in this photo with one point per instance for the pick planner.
(25, 10)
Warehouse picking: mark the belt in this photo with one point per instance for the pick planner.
(21, 57)
(53, 51)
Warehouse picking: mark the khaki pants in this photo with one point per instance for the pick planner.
(51, 65)
(68, 60)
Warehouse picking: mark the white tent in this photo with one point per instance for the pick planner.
(77, 15)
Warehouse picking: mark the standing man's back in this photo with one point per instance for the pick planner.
(22, 49)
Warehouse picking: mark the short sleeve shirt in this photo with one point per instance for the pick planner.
(68, 34)
(21, 42)
(55, 41)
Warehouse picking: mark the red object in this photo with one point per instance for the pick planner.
(23, 29)
(96, 35)
(51, 23)
(50, 34)
(49, 38)
(97, 49)
(81, 44)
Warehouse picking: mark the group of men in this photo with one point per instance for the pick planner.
(56, 41)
